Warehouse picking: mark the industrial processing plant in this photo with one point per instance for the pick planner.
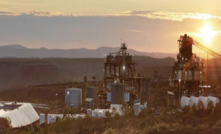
(110, 67)
(188, 84)
(190, 75)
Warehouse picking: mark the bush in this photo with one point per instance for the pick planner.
(210, 106)
(186, 109)
(109, 131)
(107, 114)
(211, 119)
(164, 102)
(200, 106)
(5, 126)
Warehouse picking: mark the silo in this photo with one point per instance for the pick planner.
(92, 93)
(117, 93)
(109, 96)
(73, 97)
(196, 75)
(204, 100)
(184, 101)
(126, 96)
(179, 75)
(193, 100)
(189, 75)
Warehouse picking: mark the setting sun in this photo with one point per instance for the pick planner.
(207, 33)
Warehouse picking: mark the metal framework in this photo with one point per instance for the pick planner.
(189, 71)
(120, 65)
(205, 49)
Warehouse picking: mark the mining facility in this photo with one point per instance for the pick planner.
(121, 80)
(121, 83)
(190, 75)
(188, 85)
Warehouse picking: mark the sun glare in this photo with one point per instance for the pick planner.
(207, 33)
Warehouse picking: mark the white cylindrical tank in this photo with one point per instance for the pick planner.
(179, 75)
(109, 96)
(213, 99)
(204, 100)
(193, 100)
(126, 96)
(184, 101)
(137, 109)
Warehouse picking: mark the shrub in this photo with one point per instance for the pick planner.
(107, 114)
(200, 106)
(164, 102)
(5, 126)
(186, 109)
(210, 106)
(109, 131)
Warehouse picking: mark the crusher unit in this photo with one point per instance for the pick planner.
(119, 67)
(189, 72)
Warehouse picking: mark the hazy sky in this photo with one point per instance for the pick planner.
(145, 25)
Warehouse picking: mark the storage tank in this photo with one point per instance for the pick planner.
(73, 97)
(137, 109)
(196, 75)
(213, 99)
(193, 100)
(179, 75)
(92, 93)
(204, 100)
(189, 75)
(126, 97)
(184, 101)
(141, 107)
(117, 93)
(109, 96)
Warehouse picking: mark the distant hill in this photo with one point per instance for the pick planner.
(22, 72)
(19, 51)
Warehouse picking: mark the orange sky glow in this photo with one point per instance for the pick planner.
(145, 25)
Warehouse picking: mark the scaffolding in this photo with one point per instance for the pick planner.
(121, 65)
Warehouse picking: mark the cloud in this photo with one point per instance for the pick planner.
(175, 16)
(44, 13)
(137, 31)
(5, 13)
(35, 13)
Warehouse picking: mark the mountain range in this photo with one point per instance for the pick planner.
(19, 51)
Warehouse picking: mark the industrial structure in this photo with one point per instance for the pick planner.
(20, 114)
(190, 101)
(190, 76)
(120, 69)
(73, 97)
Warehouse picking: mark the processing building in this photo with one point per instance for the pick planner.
(121, 78)
(20, 114)
(190, 76)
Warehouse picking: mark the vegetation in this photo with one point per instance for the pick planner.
(171, 121)
(5, 127)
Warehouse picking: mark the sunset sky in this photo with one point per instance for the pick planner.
(145, 25)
